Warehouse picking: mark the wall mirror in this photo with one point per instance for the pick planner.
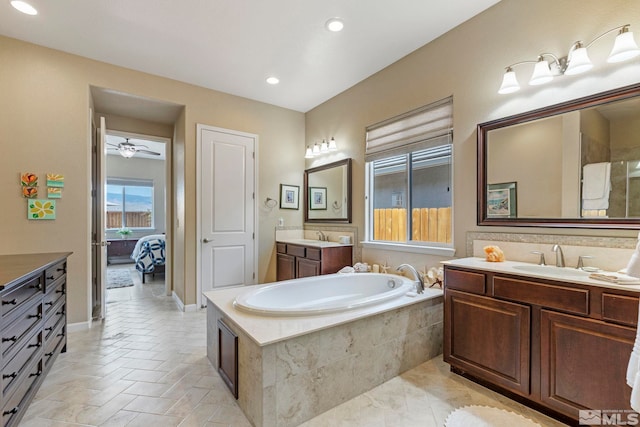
(327, 192)
(575, 164)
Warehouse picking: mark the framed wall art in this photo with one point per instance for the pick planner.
(289, 196)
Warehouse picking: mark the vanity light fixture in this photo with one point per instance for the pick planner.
(547, 66)
(322, 148)
(24, 7)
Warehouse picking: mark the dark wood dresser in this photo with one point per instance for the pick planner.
(33, 322)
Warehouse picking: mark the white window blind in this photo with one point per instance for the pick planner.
(421, 128)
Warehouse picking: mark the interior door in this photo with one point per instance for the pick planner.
(100, 242)
(227, 209)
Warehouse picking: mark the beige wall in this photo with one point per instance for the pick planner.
(44, 127)
(468, 63)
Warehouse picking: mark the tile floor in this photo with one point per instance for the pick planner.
(146, 365)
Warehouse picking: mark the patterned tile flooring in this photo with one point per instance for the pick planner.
(146, 365)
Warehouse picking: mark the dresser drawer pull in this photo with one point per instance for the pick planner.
(12, 302)
(11, 412)
(61, 269)
(50, 328)
(49, 354)
(60, 291)
(34, 345)
(61, 334)
(13, 338)
(51, 277)
(60, 312)
(48, 303)
(13, 375)
(36, 374)
(34, 316)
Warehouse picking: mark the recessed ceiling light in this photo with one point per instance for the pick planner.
(273, 80)
(334, 24)
(24, 7)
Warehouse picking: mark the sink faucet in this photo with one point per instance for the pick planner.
(322, 237)
(420, 285)
(559, 255)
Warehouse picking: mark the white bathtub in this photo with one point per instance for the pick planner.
(323, 294)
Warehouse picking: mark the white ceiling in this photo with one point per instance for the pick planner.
(234, 45)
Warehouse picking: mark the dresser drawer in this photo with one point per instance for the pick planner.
(465, 281)
(53, 273)
(620, 308)
(296, 250)
(14, 335)
(14, 370)
(563, 298)
(54, 345)
(18, 401)
(54, 295)
(11, 301)
(54, 320)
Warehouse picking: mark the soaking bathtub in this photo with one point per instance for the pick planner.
(323, 294)
(334, 338)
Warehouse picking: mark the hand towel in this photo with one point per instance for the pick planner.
(633, 267)
(633, 374)
(596, 185)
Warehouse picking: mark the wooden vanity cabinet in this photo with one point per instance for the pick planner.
(32, 326)
(560, 347)
(294, 261)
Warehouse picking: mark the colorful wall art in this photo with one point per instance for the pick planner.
(55, 180)
(54, 193)
(41, 209)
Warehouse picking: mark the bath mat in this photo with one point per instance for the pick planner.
(485, 416)
(118, 279)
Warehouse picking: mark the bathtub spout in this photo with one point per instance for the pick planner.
(420, 285)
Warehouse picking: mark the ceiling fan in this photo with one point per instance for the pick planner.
(128, 149)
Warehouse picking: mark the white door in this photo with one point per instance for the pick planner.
(227, 208)
(102, 216)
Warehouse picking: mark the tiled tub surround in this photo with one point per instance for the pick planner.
(292, 369)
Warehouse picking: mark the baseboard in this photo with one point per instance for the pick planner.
(80, 326)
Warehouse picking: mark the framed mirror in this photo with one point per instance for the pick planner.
(327, 192)
(575, 164)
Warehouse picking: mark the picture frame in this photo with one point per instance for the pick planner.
(289, 196)
(318, 198)
(502, 200)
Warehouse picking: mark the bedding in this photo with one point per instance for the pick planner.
(149, 254)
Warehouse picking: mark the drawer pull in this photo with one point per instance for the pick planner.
(13, 338)
(11, 412)
(38, 286)
(51, 277)
(13, 375)
(60, 312)
(34, 345)
(36, 374)
(12, 302)
(34, 316)
(61, 269)
(61, 334)
(50, 328)
(48, 303)
(60, 291)
(49, 354)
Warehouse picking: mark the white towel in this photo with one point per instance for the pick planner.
(596, 185)
(633, 374)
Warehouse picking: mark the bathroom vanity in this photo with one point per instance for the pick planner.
(33, 289)
(304, 258)
(559, 342)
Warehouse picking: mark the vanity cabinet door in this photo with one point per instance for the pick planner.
(286, 267)
(307, 267)
(489, 339)
(583, 363)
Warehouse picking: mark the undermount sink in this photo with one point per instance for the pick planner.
(548, 270)
(316, 243)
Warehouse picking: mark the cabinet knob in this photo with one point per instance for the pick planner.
(12, 302)
(12, 375)
(12, 411)
(13, 339)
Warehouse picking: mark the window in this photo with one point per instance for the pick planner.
(409, 176)
(129, 203)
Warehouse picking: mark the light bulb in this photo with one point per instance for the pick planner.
(579, 61)
(624, 48)
(309, 153)
(541, 73)
(509, 82)
(332, 144)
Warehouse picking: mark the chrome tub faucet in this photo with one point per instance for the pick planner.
(420, 285)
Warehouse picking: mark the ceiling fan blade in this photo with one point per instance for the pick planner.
(113, 145)
(148, 152)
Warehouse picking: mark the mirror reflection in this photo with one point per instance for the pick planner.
(577, 166)
(328, 192)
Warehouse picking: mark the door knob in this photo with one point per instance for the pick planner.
(207, 240)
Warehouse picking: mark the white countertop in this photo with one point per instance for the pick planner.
(314, 243)
(512, 267)
(265, 330)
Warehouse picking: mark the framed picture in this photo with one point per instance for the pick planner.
(289, 196)
(318, 198)
(502, 200)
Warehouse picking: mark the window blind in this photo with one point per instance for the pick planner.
(133, 182)
(421, 128)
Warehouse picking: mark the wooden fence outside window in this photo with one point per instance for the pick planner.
(427, 224)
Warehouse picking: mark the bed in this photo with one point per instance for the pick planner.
(149, 255)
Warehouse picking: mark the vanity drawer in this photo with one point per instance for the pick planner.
(281, 248)
(13, 299)
(620, 308)
(563, 298)
(464, 281)
(314, 253)
(51, 274)
(296, 250)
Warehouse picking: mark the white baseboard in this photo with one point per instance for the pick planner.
(181, 306)
(80, 326)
